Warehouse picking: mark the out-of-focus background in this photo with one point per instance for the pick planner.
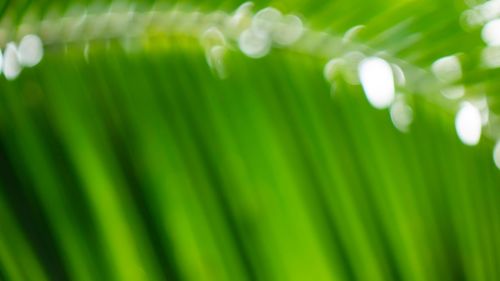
(135, 154)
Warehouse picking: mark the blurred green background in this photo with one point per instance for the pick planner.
(143, 165)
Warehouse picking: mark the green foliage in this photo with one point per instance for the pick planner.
(143, 165)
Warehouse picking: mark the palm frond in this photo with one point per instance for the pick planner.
(125, 156)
